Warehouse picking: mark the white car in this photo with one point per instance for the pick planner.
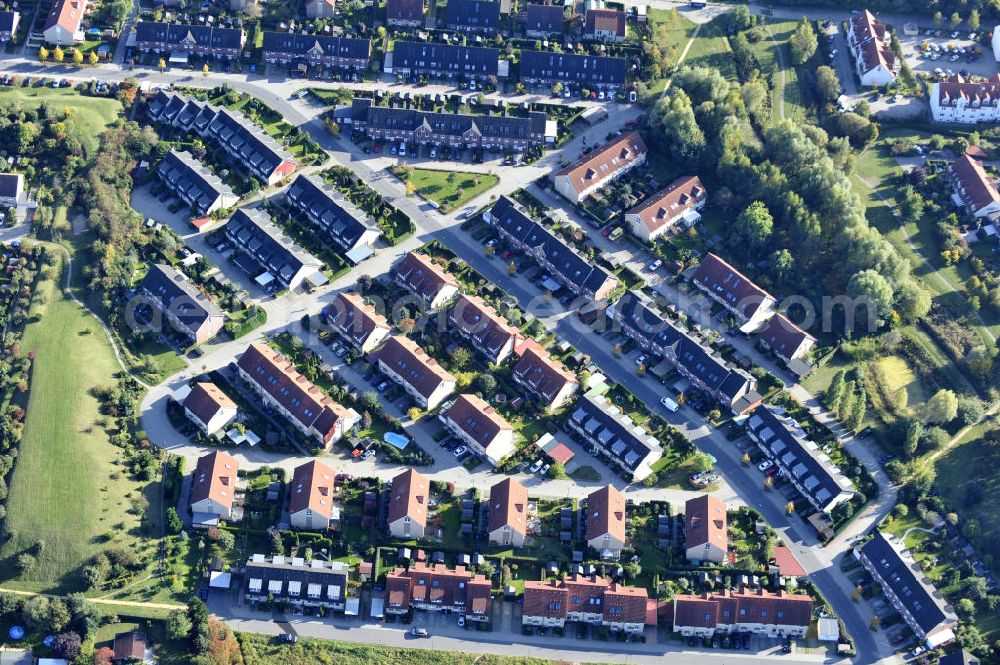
(460, 451)
(670, 404)
(765, 465)
(536, 466)
(544, 470)
(654, 266)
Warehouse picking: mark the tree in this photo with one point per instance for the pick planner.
(413, 413)
(974, 21)
(857, 128)
(43, 53)
(460, 358)
(632, 570)
(980, 361)
(933, 438)
(406, 325)
(558, 471)
(93, 58)
(104, 656)
(965, 607)
(938, 19)
(178, 625)
(874, 292)
(58, 54)
(486, 384)
(162, 64)
(912, 300)
(955, 20)
(557, 89)
(789, 507)
(77, 59)
(835, 391)
(912, 439)
(970, 409)
(827, 84)
(511, 268)
(197, 614)
(205, 69)
(67, 645)
(487, 568)
(673, 122)
(942, 407)
(857, 415)
(754, 226)
(174, 522)
(803, 41)
(745, 460)
(36, 613)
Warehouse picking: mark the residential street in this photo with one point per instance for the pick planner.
(740, 484)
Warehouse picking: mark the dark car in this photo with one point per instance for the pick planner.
(288, 638)
(746, 640)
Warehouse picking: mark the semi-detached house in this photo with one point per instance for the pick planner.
(705, 529)
(317, 50)
(488, 332)
(357, 322)
(421, 276)
(311, 411)
(412, 59)
(726, 285)
(567, 267)
(435, 588)
(604, 516)
(707, 371)
(546, 378)
(972, 189)
(786, 339)
(199, 40)
(310, 505)
(338, 221)
(424, 380)
(267, 253)
(406, 516)
(191, 180)
(606, 164)
(473, 16)
(904, 584)
(213, 486)
(775, 615)
(491, 132)
(615, 436)
(62, 26)
(507, 514)
(604, 25)
(209, 408)
(479, 426)
(593, 600)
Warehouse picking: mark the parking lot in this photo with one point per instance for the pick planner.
(939, 50)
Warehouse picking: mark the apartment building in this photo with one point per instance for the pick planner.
(424, 380)
(413, 59)
(267, 253)
(972, 189)
(311, 411)
(871, 45)
(199, 40)
(674, 207)
(592, 600)
(566, 266)
(604, 165)
(960, 99)
(775, 615)
(435, 588)
(591, 71)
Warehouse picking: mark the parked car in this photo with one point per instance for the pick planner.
(288, 638)
(544, 470)
(419, 632)
(460, 451)
(655, 265)
(765, 465)
(536, 466)
(670, 404)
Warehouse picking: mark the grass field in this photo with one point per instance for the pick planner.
(899, 375)
(66, 489)
(90, 114)
(711, 49)
(767, 52)
(671, 33)
(260, 650)
(447, 191)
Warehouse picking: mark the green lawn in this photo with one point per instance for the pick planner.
(450, 189)
(670, 32)
(767, 52)
(90, 114)
(66, 488)
(711, 48)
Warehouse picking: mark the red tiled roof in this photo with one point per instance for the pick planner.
(625, 604)
(984, 92)
(705, 522)
(349, 312)
(477, 419)
(604, 162)
(560, 453)
(508, 506)
(312, 488)
(973, 185)
(405, 357)
(695, 612)
(545, 599)
(787, 565)
(784, 336)
(605, 20)
(728, 283)
(215, 478)
(422, 275)
(870, 35)
(475, 319)
(67, 14)
(606, 513)
(205, 400)
(542, 374)
(670, 202)
(436, 584)
(733, 607)
(409, 497)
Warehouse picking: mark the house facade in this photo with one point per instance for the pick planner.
(317, 50)
(480, 427)
(408, 501)
(591, 71)
(470, 63)
(705, 530)
(209, 408)
(421, 276)
(337, 220)
(199, 40)
(611, 433)
(961, 100)
(9, 21)
(507, 511)
(592, 600)
(786, 339)
(544, 20)
(604, 25)
(601, 167)
(434, 588)
(565, 265)
(972, 189)
(478, 17)
(605, 519)
(707, 371)
(404, 13)
(11, 189)
(726, 285)
(213, 485)
(491, 132)
(674, 207)
(921, 605)
(63, 24)
(357, 322)
(871, 45)
(304, 585)
(311, 411)
(545, 378)
(311, 505)
(776, 615)
(192, 181)
(424, 380)
(187, 310)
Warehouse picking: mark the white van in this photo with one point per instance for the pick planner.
(671, 405)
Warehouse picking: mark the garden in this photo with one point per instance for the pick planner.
(446, 189)
(396, 226)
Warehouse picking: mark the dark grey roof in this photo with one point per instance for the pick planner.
(341, 47)
(509, 216)
(445, 58)
(175, 293)
(257, 151)
(487, 126)
(633, 310)
(253, 230)
(178, 35)
(329, 579)
(545, 18)
(628, 442)
(341, 222)
(473, 15)
(808, 466)
(7, 21)
(405, 10)
(191, 179)
(572, 68)
(962, 657)
(912, 588)
(10, 183)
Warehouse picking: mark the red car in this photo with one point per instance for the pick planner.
(607, 231)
